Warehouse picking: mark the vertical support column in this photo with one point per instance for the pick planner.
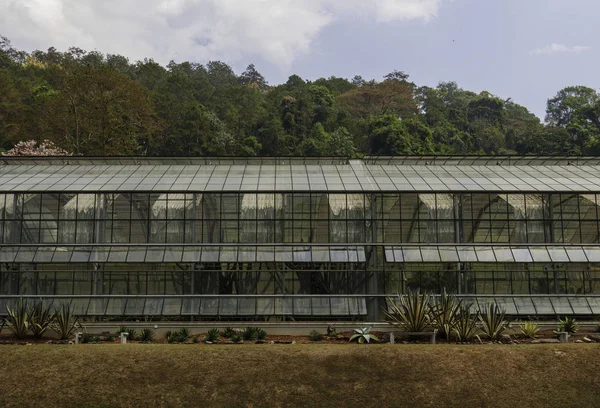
(458, 232)
(374, 306)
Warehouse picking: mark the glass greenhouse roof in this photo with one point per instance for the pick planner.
(355, 176)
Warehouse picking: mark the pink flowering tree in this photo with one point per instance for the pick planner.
(32, 148)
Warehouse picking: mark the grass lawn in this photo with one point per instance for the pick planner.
(300, 375)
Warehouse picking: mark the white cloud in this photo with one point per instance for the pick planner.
(559, 49)
(277, 30)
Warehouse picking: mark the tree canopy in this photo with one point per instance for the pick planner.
(89, 103)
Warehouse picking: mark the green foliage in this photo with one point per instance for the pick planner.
(529, 330)
(109, 338)
(228, 332)
(133, 334)
(465, 327)
(250, 333)
(315, 336)
(18, 318)
(261, 334)
(65, 322)
(146, 335)
(412, 311)
(236, 338)
(446, 310)
(568, 324)
(122, 329)
(212, 336)
(179, 336)
(41, 318)
(493, 321)
(331, 331)
(362, 335)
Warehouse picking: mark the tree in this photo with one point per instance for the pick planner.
(561, 109)
(251, 77)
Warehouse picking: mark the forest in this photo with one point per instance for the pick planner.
(94, 104)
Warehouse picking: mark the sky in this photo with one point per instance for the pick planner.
(526, 50)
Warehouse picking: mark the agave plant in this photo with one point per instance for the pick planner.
(493, 321)
(17, 319)
(363, 335)
(465, 327)
(40, 319)
(568, 324)
(529, 330)
(446, 311)
(65, 322)
(413, 311)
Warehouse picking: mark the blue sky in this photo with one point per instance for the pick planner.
(523, 49)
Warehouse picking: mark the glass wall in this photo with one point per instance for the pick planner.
(298, 218)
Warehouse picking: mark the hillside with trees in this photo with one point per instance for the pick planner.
(88, 103)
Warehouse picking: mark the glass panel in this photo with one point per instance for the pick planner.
(543, 305)
(320, 254)
(25, 254)
(8, 254)
(485, 254)
(449, 254)
(97, 307)
(81, 254)
(190, 306)
(593, 253)
(116, 306)
(580, 305)
(192, 254)
(100, 254)
(576, 254)
(558, 254)
(430, 254)
(320, 306)
(397, 255)
(389, 254)
(79, 306)
(136, 254)
(340, 307)
(209, 306)
(265, 306)
(361, 255)
(338, 254)
(302, 254)
(302, 306)
(153, 307)
(135, 306)
(173, 254)
(283, 254)
(522, 255)
(44, 254)
(525, 306)
(172, 307)
(155, 254)
(117, 254)
(284, 306)
(561, 305)
(228, 306)
(246, 307)
(62, 255)
(412, 255)
(265, 254)
(540, 254)
(594, 304)
(467, 254)
(508, 304)
(503, 254)
(210, 254)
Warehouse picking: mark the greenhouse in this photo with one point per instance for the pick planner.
(298, 239)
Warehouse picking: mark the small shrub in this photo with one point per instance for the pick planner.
(411, 312)
(41, 318)
(363, 335)
(228, 332)
(261, 334)
(109, 338)
(65, 322)
(446, 311)
(568, 324)
(212, 336)
(185, 334)
(236, 338)
(315, 336)
(331, 331)
(179, 336)
(529, 330)
(133, 334)
(195, 339)
(250, 333)
(493, 321)
(465, 327)
(146, 335)
(17, 319)
(95, 339)
(122, 329)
